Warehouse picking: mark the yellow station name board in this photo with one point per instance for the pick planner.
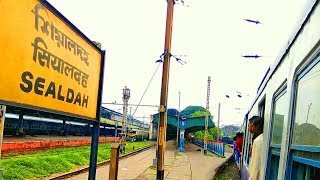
(45, 63)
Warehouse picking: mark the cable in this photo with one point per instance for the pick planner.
(146, 90)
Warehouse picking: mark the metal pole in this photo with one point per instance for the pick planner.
(124, 117)
(94, 150)
(2, 119)
(309, 106)
(131, 119)
(150, 127)
(178, 123)
(125, 98)
(205, 141)
(143, 128)
(164, 92)
(219, 107)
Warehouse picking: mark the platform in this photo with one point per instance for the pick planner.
(191, 164)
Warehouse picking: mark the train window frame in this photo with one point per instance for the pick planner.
(292, 159)
(248, 142)
(279, 93)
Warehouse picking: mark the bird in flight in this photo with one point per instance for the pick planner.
(253, 21)
(252, 56)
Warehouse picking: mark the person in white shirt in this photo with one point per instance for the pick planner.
(255, 161)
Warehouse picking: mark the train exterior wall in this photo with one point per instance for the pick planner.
(282, 76)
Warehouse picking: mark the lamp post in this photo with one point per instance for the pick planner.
(125, 98)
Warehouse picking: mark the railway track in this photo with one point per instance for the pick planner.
(86, 169)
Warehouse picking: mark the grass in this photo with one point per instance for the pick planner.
(45, 163)
(153, 167)
(230, 172)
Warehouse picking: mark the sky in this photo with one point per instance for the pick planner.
(209, 35)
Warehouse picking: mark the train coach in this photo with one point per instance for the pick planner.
(31, 125)
(288, 99)
(45, 126)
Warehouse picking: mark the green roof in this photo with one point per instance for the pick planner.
(192, 124)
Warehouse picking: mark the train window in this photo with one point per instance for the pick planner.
(305, 141)
(280, 105)
(279, 110)
(307, 114)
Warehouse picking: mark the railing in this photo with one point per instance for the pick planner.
(216, 147)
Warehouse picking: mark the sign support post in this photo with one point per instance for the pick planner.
(2, 119)
(94, 150)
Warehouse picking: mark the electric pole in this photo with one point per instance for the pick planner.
(207, 119)
(125, 98)
(164, 92)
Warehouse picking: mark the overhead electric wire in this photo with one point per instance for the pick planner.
(146, 89)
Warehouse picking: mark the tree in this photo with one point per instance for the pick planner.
(213, 133)
(192, 109)
(199, 134)
(198, 114)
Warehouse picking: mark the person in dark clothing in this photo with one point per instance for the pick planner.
(235, 151)
(238, 146)
(239, 141)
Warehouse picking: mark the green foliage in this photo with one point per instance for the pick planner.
(213, 133)
(196, 111)
(199, 134)
(192, 109)
(199, 114)
(60, 160)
